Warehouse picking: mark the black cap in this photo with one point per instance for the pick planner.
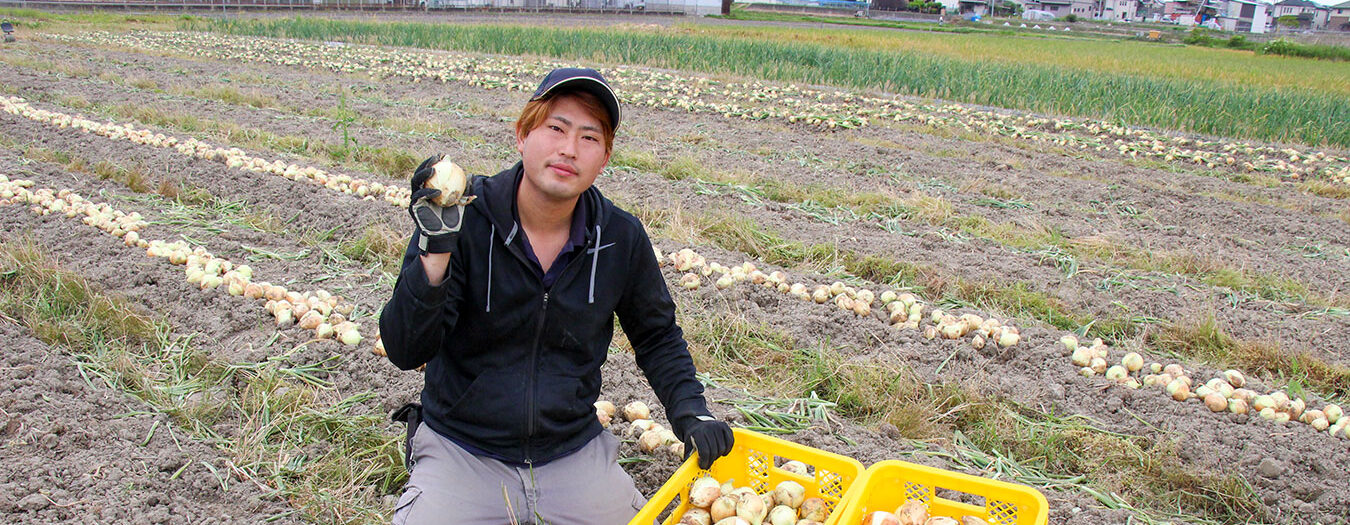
(583, 79)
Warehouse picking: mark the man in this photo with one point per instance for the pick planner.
(509, 301)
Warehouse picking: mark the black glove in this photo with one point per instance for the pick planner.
(438, 226)
(711, 438)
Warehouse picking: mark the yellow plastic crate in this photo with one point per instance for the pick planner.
(888, 484)
(753, 462)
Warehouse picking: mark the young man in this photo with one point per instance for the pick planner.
(509, 302)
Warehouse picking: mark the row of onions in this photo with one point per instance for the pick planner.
(746, 100)
(1226, 392)
(318, 311)
(231, 157)
(901, 310)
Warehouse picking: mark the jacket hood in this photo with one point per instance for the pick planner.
(497, 200)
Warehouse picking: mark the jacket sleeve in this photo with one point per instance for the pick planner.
(414, 322)
(647, 314)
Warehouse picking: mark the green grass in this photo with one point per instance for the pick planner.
(1204, 338)
(277, 420)
(978, 432)
(1237, 106)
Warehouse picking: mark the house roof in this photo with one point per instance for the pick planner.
(1298, 3)
(1342, 5)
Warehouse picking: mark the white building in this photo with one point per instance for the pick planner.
(1243, 16)
(1119, 10)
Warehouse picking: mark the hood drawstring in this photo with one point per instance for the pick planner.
(595, 260)
(492, 239)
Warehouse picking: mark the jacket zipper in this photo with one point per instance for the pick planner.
(534, 360)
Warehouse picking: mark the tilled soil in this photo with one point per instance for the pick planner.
(1299, 474)
(76, 452)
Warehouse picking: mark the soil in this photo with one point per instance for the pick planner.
(74, 451)
(1300, 475)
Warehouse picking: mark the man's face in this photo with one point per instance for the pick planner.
(564, 154)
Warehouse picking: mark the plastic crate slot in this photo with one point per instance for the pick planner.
(919, 492)
(1001, 512)
(778, 461)
(831, 484)
(960, 496)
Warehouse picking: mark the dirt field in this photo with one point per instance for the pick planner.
(76, 450)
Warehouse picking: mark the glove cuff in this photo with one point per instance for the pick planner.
(437, 244)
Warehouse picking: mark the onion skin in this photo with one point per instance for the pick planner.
(881, 517)
(795, 467)
(782, 515)
(450, 179)
(940, 520)
(912, 513)
(704, 492)
(813, 509)
(636, 410)
(696, 517)
(789, 493)
(723, 508)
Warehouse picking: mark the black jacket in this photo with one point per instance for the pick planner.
(513, 369)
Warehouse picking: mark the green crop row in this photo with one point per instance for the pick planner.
(1304, 116)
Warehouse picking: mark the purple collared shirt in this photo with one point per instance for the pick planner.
(576, 240)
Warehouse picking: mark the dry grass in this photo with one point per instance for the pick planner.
(278, 421)
(1204, 338)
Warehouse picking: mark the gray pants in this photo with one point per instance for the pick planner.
(449, 485)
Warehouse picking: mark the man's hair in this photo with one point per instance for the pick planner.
(537, 111)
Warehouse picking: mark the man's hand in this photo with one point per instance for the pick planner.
(711, 438)
(438, 226)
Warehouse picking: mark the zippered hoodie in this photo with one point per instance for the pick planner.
(514, 369)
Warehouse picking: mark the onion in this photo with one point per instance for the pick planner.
(1070, 342)
(789, 493)
(450, 179)
(820, 295)
(650, 440)
(813, 509)
(1333, 413)
(752, 509)
(350, 337)
(690, 281)
(1116, 373)
(782, 515)
(1311, 414)
(1082, 356)
(1237, 406)
(1010, 337)
(603, 417)
(880, 517)
(795, 467)
(1133, 361)
(704, 492)
(723, 508)
(912, 513)
(1235, 378)
(696, 517)
(724, 282)
(1086, 372)
(606, 406)
(734, 520)
(941, 520)
(1098, 365)
(1216, 402)
(1320, 424)
(1261, 403)
(1179, 390)
(1155, 367)
(636, 410)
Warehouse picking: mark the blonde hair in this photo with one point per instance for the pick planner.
(537, 111)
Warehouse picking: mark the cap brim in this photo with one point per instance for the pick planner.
(592, 86)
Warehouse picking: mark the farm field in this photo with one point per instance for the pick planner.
(145, 161)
